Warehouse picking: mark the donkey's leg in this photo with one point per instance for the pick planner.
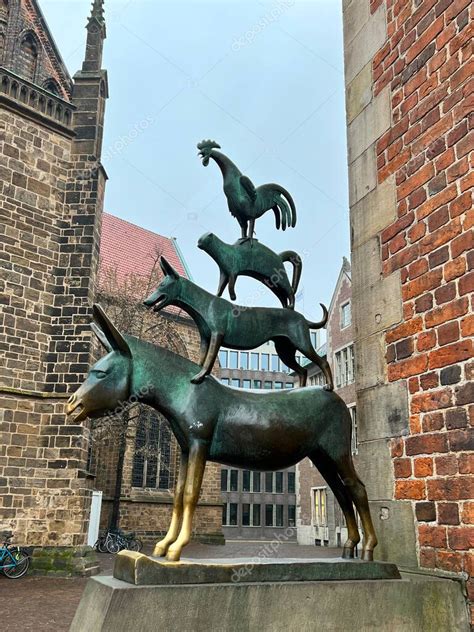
(192, 488)
(359, 496)
(330, 475)
(161, 547)
(214, 346)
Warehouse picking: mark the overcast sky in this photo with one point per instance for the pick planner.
(263, 79)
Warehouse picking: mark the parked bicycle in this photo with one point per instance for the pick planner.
(14, 561)
(115, 541)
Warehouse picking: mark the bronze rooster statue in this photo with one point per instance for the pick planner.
(245, 201)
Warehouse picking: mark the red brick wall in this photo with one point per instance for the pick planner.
(427, 61)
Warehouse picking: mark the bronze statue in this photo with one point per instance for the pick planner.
(221, 323)
(269, 430)
(245, 201)
(255, 260)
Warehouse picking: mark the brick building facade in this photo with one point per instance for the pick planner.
(408, 71)
(320, 520)
(50, 132)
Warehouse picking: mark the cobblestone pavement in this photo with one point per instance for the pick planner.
(43, 604)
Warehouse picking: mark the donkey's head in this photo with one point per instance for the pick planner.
(168, 291)
(108, 382)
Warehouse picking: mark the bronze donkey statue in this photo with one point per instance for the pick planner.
(221, 323)
(253, 259)
(269, 430)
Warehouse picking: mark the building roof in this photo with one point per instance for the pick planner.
(345, 272)
(131, 249)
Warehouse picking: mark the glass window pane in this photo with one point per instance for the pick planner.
(224, 474)
(254, 363)
(246, 481)
(278, 385)
(236, 382)
(223, 359)
(275, 362)
(268, 384)
(265, 362)
(246, 383)
(291, 515)
(269, 515)
(233, 514)
(257, 383)
(256, 481)
(279, 516)
(224, 514)
(234, 477)
(291, 482)
(245, 515)
(244, 360)
(269, 482)
(225, 380)
(256, 515)
(279, 482)
(289, 385)
(234, 359)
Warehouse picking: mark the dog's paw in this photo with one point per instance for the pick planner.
(197, 379)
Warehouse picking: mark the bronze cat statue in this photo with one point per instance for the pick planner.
(253, 259)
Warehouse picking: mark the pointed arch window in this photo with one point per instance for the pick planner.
(2, 43)
(52, 86)
(152, 460)
(28, 57)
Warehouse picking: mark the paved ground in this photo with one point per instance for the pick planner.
(41, 604)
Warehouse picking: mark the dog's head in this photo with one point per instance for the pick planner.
(168, 291)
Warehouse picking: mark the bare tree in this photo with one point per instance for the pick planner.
(122, 297)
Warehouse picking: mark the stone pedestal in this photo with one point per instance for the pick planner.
(275, 596)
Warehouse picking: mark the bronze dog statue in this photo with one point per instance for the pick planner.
(253, 259)
(269, 430)
(221, 323)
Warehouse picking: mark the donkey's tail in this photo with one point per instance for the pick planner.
(293, 257)
(321, 323)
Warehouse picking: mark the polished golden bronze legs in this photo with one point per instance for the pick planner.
(186, 496)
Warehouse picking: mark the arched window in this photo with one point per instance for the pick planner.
(2, 44)
(152, 460)
(28, 57)
(51, 86)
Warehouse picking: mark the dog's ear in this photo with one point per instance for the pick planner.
(168, 269)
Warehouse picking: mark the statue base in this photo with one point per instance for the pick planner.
(415, 603)
(143, 570)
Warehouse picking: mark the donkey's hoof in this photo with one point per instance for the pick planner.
(367, 555)
(173, 555)
(160, 550)
(347, 553)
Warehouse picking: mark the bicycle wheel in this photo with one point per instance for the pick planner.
(100, 545)
(134, 545)
(112, 545)
(22, 564)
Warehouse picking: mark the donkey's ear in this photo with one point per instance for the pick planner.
(168, 269)
(113, 337)
(101, 337)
